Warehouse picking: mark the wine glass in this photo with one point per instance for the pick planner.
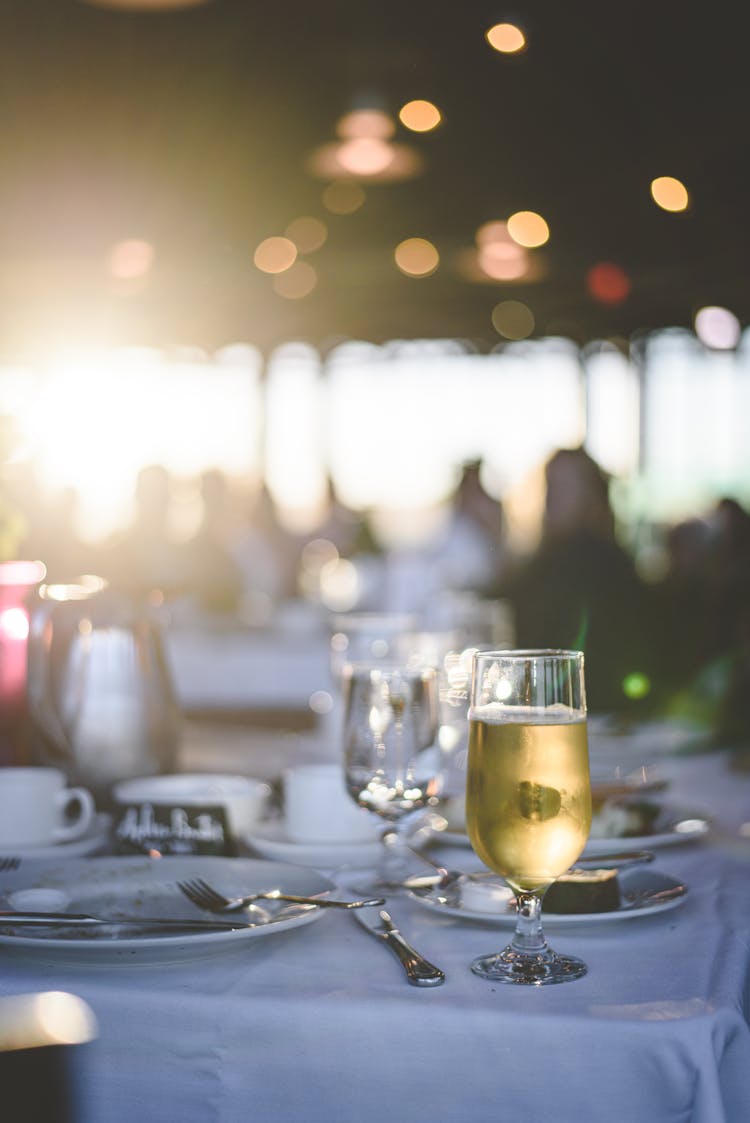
(528, 794)
(391, 760)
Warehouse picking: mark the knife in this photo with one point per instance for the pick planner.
(129, 923)
(419, 971)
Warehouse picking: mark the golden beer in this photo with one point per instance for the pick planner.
(528, 797)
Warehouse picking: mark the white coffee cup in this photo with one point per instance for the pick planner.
(241, 797)
(318, 808)
(38, 809)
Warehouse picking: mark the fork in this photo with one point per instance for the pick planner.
(9, 863)
(206, 897)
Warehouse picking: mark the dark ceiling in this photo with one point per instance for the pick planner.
(191, 129)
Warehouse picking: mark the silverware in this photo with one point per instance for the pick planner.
(638, 898)
(444, 878)
(419, 971)
(9, 863)
(86, 920)
(206, 897)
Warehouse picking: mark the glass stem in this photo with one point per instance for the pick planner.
(528, 937)
(395, 857)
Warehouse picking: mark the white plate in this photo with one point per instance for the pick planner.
(631, 881)
(135, 887)
(269, 840)
(96, 838)
(672, 826)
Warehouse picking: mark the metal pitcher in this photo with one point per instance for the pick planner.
(100, 694)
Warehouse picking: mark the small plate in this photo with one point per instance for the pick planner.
(633, 881)
(147, 887)
(96, 838)
(672, 825)
(270, 840)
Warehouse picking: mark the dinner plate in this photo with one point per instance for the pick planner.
(503, 912)
(147, 887)
(95, 838)
(270, 840)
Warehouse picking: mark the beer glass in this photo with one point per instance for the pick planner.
(528, 794)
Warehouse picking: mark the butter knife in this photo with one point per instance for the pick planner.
(128, 923)
(419, 971)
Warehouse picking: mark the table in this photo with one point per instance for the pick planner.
(318, 1023)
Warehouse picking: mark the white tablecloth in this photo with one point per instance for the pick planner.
(319, 1024)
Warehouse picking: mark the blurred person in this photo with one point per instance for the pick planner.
(53, 538)
(681, 603)
(145, 555)
(471, 554)
(266, 556)
(348, 530)
(213, 576)
(580, 589)
(728, 633)
(703, 613)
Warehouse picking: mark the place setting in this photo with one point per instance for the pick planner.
(528, 816)
(174, 887)
(128, 909)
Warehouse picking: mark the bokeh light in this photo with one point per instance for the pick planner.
(365, 155)
(365, 158)
(493, 231)
(373, 123)
(416, 257)
(296, 282)
(343, 197)
(131, 258)
(717, 328)
(275, 254)
(608, 283)
(307, 233)
(14, 623)
(528, 228)
(669, 193)
(506, 38)
(498, 256)
(636, 685)
(502, 262)
(420, 116)
(513, 319)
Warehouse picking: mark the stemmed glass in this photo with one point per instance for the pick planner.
(391, 760)
(528, 794)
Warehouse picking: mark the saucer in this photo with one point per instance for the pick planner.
(661, 893)
(95, 839)
(269, 840)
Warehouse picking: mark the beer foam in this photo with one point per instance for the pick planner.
(498, 713)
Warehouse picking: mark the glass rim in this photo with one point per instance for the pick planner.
(529, 653)
(388, 666)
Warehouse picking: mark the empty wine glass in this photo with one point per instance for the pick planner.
(391, 759)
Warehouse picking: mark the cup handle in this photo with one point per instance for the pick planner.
(86, 811)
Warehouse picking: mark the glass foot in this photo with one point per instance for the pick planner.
(510, 966)
(365, 883)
